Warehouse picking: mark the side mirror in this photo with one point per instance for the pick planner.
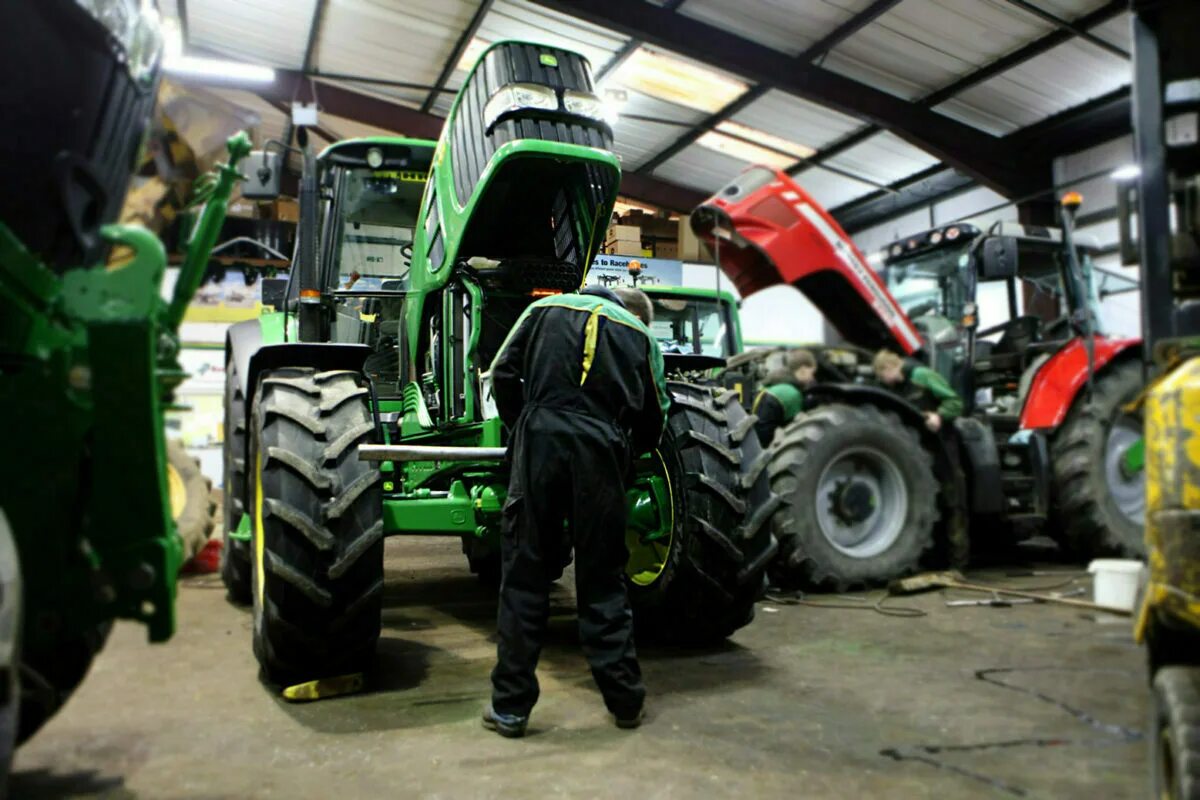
(999, 258)
(263, 171)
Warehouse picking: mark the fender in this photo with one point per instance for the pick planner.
(1059, 380)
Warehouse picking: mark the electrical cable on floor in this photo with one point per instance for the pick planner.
(798, 598)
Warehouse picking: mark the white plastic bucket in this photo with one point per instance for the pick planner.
(1116, 583)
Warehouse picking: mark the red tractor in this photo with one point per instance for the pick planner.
(869, 492)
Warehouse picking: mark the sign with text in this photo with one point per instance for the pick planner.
(614, 271)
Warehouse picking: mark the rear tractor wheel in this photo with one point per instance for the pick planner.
(317, 533)
(859, 498)
(189, 493)
(698, 535)
(235, 553)
(1099, 484)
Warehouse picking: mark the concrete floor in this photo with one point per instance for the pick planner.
(1030, 701)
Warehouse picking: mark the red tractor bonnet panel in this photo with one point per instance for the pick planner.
(775, 233)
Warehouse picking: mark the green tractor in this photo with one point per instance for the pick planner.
(362, 409)
(88, 351)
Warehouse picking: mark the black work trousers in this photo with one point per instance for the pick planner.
(567, 487)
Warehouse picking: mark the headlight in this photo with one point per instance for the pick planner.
(518, 97)
(584, 104)
(935, 237)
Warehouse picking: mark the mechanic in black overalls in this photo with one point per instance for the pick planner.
(579, 383)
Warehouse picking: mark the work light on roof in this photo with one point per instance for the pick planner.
(374, 158)
(935, 237)
(519, 97)
(953, 232)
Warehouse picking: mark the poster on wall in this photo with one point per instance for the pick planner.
(614, 271)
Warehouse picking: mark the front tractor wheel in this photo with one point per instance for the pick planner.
(859, 498)
(317, 532)
(1099, 487)
(1175, 733)
(698, 537)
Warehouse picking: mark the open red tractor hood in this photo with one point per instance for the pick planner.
(767, 231)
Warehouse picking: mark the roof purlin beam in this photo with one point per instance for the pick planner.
(820, 48)
(975, 152)
(456, 54)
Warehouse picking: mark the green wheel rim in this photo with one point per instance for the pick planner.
(651, 528)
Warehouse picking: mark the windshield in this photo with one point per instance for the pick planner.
(375, 214)
(688, 325)
(935, 282)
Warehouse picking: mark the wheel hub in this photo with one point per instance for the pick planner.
(853, 501)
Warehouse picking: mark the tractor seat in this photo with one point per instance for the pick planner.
(1012, 348)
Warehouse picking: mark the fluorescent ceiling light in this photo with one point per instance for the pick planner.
(677, 81)
(768, 140)
(217, 68)
(1126, 173)
(472, 52)
(745, 151)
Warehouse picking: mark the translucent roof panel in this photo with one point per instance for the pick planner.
(780, 24)
(700, 168)
(1066, 76)
(884, 158)
(269, 32)
(805, 123)
(518, 19)
(411, 98)
(361, 37)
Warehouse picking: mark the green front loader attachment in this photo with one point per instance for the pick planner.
(366, 399)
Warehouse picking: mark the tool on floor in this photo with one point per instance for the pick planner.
(950, 579)
(995, 601)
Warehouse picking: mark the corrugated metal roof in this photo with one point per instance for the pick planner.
(700, 168)
(637, 140)
(1072, 73)
(805, 123)
(781, 24)
(269, 32)
(830, 189)
(405, 42)
(884, 158)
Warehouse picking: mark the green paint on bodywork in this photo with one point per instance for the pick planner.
(728, 301)
(90, 362)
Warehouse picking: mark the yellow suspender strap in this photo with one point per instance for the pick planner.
(590, 333)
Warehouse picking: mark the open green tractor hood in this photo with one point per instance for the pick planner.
(522, 176)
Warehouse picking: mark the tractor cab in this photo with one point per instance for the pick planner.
(371, 192)
(689, 321)
(937, 278)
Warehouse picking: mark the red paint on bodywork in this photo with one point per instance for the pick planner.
(1059, 380)
(780, 235)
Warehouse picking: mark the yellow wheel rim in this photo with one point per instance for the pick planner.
(256, 533)
(176, 492)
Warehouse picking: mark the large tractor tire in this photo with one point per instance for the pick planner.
(235, 554)
(11, 621)
(317, 538)
(50, 677)
(695, 579)
(859, 498)
(190, 494)
(1175, 733)
(1099, 506)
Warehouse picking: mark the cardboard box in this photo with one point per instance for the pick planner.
(283, 209)
(691, 248)
(624, 233)
(666, 248)
(622, 248)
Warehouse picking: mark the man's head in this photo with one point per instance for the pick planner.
(802, 365)
(889, 367)
(636, 302)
